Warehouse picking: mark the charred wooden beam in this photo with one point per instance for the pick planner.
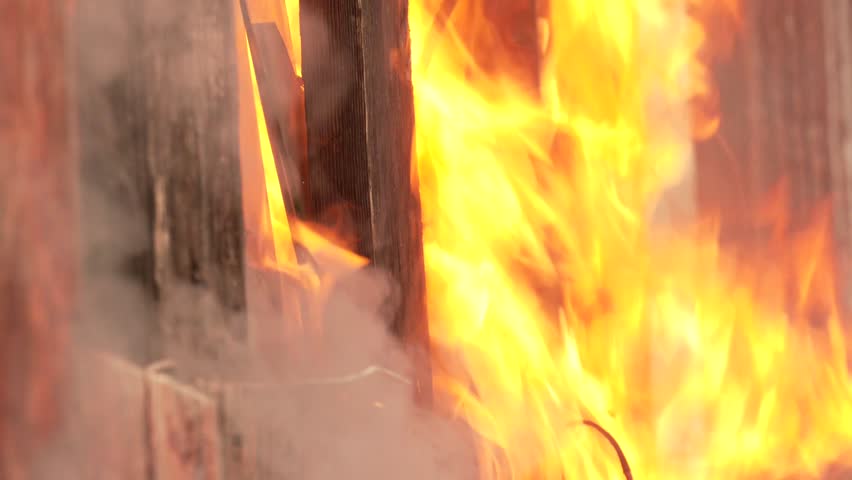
(360, 122)
(38, 229)
(192, 150)
(282, 104)
(117, 284)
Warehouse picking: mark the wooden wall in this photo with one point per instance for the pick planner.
(785, 109)
(360, 123)
(160, 176)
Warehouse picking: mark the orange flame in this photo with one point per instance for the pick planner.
(277, 233)
(555, 300)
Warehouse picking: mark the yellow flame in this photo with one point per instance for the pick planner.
(282, 237)
(281, 230)
(553, 299)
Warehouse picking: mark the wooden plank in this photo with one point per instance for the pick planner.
(190, 79)
(184, 430)
(38, 228)
(360, 120)
(117, 284)
(284, 111)
(336, 114)
(272, 306)
(109, 434)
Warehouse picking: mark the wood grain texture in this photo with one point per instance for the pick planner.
(190, 90)
(117, 285)
(335, 110)
(38, 227)
(360, 120)
(284, 112)
(185, 437)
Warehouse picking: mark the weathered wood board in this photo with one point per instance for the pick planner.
(117, 285)
(192, 149)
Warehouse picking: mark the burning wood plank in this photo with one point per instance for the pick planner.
(38, 229)
(282, 104)
(360, 123)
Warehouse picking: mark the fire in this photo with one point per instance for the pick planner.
(554, 297)
(273, 231)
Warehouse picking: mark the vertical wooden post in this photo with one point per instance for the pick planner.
(116, 285)
(190, 89)
(360, 119)
(38, 228)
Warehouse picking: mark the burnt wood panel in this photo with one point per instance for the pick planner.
(360, 123)
(117, 285)
(192, 150)
(335, 109)
(38, 228)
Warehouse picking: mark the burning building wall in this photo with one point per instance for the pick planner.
(267, 188)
